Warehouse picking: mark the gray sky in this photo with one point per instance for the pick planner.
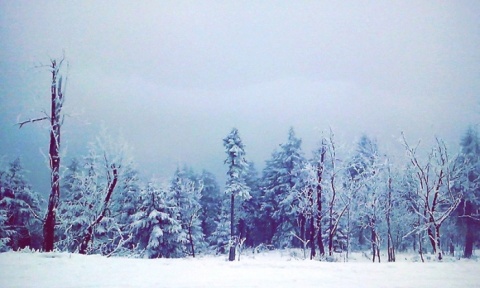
(175, 76)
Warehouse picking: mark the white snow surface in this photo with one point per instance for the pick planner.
(268, 269)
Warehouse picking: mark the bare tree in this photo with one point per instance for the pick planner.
(56, 121)
(335, 209)
(305, 207)
(112, 182)
(389, 207)
(319, 189)
(436, 196)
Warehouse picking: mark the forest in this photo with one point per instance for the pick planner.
(336, 202)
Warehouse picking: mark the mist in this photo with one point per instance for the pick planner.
(173, 77)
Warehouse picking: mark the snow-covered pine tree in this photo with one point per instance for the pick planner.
(278, 192)
(20, 223)
(75, 205)
(468, 185)
(157, 232)
(186, 190)
(220, 239)
(250, 223)
(123, 207)
(235, 186)
(211, 204)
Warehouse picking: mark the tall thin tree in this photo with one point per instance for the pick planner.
(237, 167)
(56, 120)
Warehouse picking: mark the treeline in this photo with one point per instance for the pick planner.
(326, 204)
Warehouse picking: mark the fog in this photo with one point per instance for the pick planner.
(173, 77)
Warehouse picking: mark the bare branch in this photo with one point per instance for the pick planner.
(20, 124)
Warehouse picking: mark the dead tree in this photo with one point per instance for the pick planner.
(56, 121)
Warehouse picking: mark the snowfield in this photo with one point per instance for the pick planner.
(268, 269)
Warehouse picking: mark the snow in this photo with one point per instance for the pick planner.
(267, 269)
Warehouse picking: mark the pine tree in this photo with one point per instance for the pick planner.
(19, 210)
(251, 226)
(75, 206)
(157, 232)
(187, 191)
(469, 186)
(124, 204)
(280, 177)
(210, 203)
(220, 240)
(235, 186)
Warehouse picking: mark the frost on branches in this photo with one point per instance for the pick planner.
(235, 186)
(279, 192)
(20, 224)
(157, 230)
(187, 192)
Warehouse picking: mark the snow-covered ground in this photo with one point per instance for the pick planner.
(268, 269)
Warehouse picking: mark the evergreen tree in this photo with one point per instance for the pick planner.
(124, 204)
(469, 186)
(279, 189)
(75, 206)
(20, 224)
(251, 226)
(220, 240)
(235, 186)
(211, 204)
(186, 189)
(157, 231)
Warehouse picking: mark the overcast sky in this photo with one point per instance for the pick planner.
(175, 76)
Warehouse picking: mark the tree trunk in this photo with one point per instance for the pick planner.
(330, 239)
(319, 200)
(469, 236)
(231, 256)
(390, 248)
(312, 238)
(420, 245)
(86, 240)
(303, 237)
(331, 231)
(54, 154)
(374, 245)
(431, 238)
(437, 243)
(348, 234)
(190, 238)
